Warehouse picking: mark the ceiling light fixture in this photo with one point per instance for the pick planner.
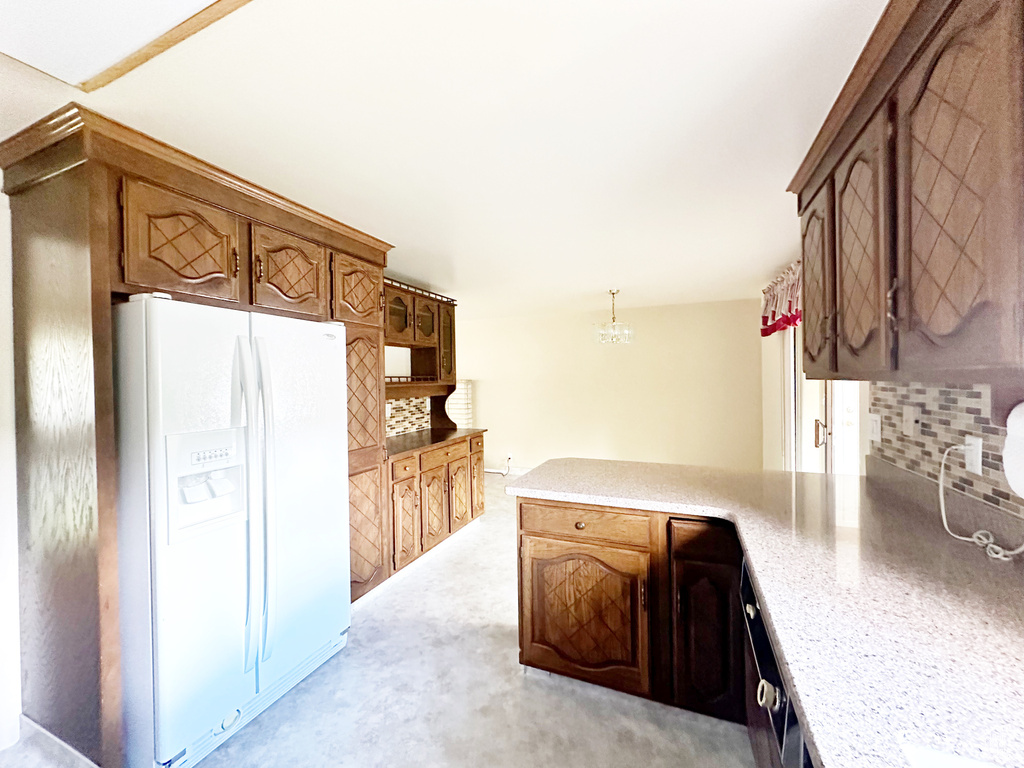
(614, 332)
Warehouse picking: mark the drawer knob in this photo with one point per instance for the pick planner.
(751, 610)
(580, 525)
(405, 468)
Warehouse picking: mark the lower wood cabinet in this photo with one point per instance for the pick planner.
(368, 544)
(584, 612)
(435, 491)
(634, 600)
(707, 625)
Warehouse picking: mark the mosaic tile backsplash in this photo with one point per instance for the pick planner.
(948, 413)
(408, 415)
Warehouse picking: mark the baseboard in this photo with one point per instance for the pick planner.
(57, 752)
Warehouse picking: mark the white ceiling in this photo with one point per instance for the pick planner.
(74, 40)
(519, 155)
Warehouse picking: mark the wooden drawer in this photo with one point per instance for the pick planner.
(403, 468)
(476, 444)
(586, 523)
(444, 454)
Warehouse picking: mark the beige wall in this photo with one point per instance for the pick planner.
(688, 390)
(774, 398)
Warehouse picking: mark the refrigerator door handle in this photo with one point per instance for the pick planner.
(269, 499)
(243, 414)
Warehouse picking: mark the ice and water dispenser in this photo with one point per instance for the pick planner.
(206, 479)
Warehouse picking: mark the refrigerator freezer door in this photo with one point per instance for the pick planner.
(198, 502)
(302, 370)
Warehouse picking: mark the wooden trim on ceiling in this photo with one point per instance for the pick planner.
(200, 21)
(894, 18)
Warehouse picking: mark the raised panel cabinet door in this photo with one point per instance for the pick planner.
(818, 259)
(459, 499)
(365, 355)
(584, 612)
(434, 505)
(357, 291)
(446, 345)
(707, 638)
(426, 319)
(476, 482)
(406, 522)
(175, 243)
(863, 273)
(367, 534)
(961, 194)
(398, 317)
(289, 272)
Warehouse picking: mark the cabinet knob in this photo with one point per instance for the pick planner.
(580, 525)
(768, 696)
(751, 610)
(405, 468)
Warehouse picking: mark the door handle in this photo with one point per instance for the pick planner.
(820, 433)
(269, 500)
(243, 413)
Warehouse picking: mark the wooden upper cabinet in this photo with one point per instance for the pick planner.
(863, 279)
(365, 357)
(446, 345)
(960, 190)
(584, 612)
(175, 243)
(289, 272)
(398, 319)
(818, 247)
(357, 290)
(426, 320)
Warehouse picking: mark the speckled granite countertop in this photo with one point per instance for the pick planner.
(426, 438)
(888, 630)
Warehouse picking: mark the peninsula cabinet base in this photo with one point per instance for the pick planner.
(642, 602)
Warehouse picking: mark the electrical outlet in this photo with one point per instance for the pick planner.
(911, 421)
(387, 409)
(972, 454)
(876, 427)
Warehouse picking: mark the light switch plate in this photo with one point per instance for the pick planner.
(876, 427)
(911, 421)
(972, 454)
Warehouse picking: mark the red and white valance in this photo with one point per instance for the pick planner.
(781, 305)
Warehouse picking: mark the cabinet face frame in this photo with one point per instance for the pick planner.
(864, 271)
(817, 233)
(176, 243)
(984, 254)
(289, 272)
(630, 567)
(357, 290)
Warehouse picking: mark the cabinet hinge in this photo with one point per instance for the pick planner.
(234, 259)
(643, 594)
(890, 303)
(120, 259)
(120, 195)
(384, 451)
(381, 300)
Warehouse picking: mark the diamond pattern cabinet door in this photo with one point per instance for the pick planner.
(476, 480)
(357, 291)
(459, 500)
(863, 274)
(434, 505)
(584, 612)
(818, 259)
(289, 272)
(174, 243)
(365, 356)
(405, 503)
(368, 537)
(961, 196)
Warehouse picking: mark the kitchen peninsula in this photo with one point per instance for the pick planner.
(888, 632)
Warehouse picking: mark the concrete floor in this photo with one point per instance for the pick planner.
(431, 677)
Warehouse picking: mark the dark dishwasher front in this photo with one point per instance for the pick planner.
(771, 693)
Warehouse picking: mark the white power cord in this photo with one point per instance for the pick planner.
(983, 539)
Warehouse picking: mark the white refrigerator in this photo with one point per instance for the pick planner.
(232, 517)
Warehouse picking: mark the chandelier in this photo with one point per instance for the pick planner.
(614, 332)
